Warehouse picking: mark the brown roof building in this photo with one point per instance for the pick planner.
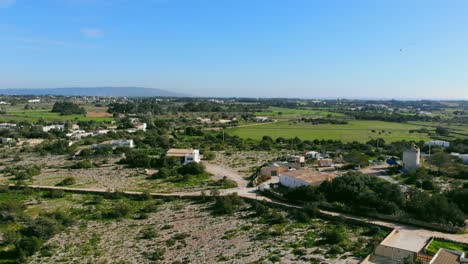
(446, 256)
(296, 178)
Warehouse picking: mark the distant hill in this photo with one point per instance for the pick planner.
(94, 91)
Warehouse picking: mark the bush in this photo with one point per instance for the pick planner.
(227, 204)
(119, 210)
(148, 233)
(54, 194)
(67, 181)
(157, 254)
(334, 235)
(83, 164)
(192, 168)
(29, 245)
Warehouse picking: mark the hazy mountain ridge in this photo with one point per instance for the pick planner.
(94, 91)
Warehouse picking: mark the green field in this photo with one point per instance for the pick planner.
(436, 244)
(354, 131)
(34, 115)
(278, 111)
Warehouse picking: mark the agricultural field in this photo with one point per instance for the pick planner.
(43, 111)
(361, 131)
(279, 111)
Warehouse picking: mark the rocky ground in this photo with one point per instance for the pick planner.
(187, 232)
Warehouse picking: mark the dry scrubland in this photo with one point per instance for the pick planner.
(187, 232)
(106, 174)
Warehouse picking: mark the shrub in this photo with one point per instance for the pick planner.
(29, 245)
(227, 204)
(192, 168)
(157, 254)
(82, 164)
(334, 235)
(67, 181)
(119, 210)
(54, 194)
(148, 233)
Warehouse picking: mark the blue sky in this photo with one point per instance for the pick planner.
(256, 48)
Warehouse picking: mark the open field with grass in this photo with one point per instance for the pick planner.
(279, 111)
(34, 115)
(354, 131)
(43, 111)
(436, 244)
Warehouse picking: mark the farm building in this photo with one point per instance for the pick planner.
(411, 158)
(296, 178)
(187, 155)
(439, 143)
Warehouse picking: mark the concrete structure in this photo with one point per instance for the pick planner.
(464, 157)
(411, 158)
(187, 155)
(296, 178)
(123, 143)
(48, 128)
(34, 101)
(446, 256)
(439, 143)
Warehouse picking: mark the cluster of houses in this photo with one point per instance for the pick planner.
(292, 171)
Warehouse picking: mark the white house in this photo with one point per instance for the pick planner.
(34, 101)
(261, 118)
(48, 128)
(188, 155)
(296, 178)
(464, 157)
(411, 158)
(313, 155)
(439, 143)
(7, 125)
(128, 143)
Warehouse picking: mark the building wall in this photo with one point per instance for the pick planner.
(393, 253)
(291, 181)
